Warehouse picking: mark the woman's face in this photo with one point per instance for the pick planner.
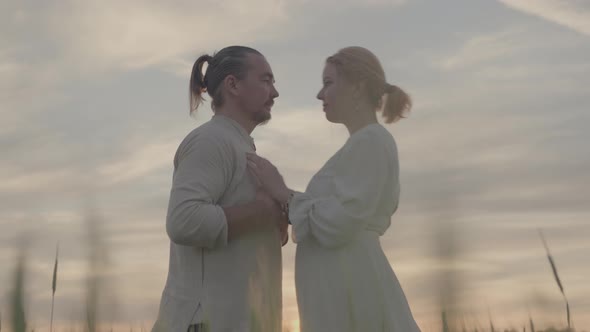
(336, 95)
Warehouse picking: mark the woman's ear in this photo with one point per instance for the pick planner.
(357, 89)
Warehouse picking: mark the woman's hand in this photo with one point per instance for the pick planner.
(269, 177)
(284, 232)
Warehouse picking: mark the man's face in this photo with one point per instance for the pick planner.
(257, 89)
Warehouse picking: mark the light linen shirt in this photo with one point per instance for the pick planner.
(231, 286)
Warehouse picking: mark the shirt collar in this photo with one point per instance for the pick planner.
(236, 126)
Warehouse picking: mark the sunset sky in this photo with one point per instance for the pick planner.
(94, 102)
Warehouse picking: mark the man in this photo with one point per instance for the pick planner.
(226, 234)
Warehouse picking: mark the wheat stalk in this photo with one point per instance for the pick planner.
(491, 322)
(19, 322)
(559, 284)
(445, 323)
(54, 286)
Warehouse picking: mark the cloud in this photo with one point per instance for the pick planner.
(141, 161)
(513, 52)
(573, 14)
(352, 3)
(483, 49)
(47, 47)
(93, 36)
(25, 88)
(297, 152)
(137, 34)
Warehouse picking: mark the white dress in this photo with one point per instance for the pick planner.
(343, 279)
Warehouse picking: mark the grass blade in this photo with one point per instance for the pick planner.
(19, 322)
(54, 286)
(556, 275)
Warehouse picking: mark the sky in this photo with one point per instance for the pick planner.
(94, 102)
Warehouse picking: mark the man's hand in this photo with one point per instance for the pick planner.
(270, 212)
(263, 212)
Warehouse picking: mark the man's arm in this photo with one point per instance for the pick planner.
(262, 212)
(204, 169)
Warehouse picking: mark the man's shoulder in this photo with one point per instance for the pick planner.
(209, 130)
(209, 135)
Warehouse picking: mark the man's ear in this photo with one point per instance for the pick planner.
(231, 84)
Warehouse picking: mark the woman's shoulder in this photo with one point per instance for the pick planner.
(374, 137)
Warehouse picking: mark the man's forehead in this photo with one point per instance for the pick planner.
(259, 62)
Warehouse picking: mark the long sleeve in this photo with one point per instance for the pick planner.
(203, 171)
(356, 182)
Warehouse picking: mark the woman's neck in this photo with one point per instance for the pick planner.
(360, 120)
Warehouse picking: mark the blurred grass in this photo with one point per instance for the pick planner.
(557, 280)
(54, 286)
(19, 320)
(452, 317)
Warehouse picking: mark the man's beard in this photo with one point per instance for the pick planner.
(261, 118)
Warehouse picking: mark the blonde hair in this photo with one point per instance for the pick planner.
(357, 64)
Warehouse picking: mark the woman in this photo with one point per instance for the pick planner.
(344, 281)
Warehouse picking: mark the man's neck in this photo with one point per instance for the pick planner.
(239, 117)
